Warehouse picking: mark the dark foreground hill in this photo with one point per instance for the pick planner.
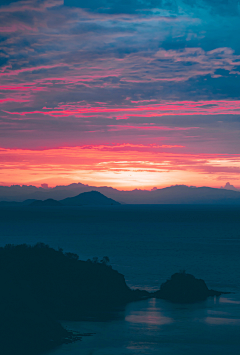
(40, 286)
(89, 198)
(28, 330)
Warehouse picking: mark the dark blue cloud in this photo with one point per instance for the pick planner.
(222, 7)
(7, 2)
(115, 6)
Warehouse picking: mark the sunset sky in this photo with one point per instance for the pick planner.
(129, 94)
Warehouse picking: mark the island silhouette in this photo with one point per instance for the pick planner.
(185, 288)
(91, 198)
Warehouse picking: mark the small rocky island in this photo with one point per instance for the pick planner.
(185, 288)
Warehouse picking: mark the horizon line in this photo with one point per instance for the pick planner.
(45, 186)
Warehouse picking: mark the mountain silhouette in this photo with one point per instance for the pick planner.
(89, 198)
(178, 194)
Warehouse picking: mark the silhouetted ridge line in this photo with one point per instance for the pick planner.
(179, 194)
(89, 198)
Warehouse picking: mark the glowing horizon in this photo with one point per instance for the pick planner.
(117, 166)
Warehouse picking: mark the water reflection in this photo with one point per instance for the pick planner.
(225, 311)
(228, 300)
(150, 315)
(222, 321)
(217, 313)
(153, 327)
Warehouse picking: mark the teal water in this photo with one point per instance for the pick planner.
(157, 327)
(147, 244)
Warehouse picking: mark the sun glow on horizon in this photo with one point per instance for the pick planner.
(123, 167)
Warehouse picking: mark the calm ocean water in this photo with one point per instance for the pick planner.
(147, 244)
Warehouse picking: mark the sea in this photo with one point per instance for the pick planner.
(147, 244)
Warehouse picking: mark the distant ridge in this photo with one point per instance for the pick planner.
(228, 186)
(89, 198)
(178, 194)
(49, 202)
(14, 203)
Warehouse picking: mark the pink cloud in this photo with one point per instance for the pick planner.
(208, 107)
(7, 71)
(12, 99)
(21, 88)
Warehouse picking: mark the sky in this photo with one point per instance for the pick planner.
(129, 94)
